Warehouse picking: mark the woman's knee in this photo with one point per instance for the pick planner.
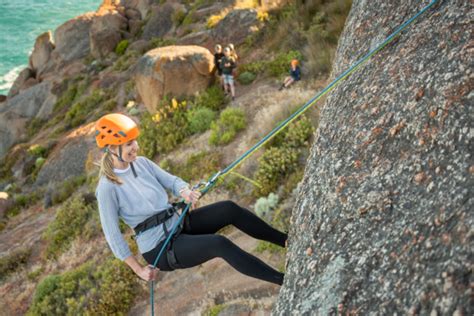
(220, 243)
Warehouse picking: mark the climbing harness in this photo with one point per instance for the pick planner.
(204, 188)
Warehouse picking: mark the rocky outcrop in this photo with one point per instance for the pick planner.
(41, 53)
(37, 101)
(383, 222)
(160, 22)
(106, 32)
(236, 26)
(142, 6)
(69, 158)
(72, 38)
(20, 81)
(176, 70)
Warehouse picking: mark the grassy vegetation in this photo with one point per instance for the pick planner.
(175, 120)
(65, 189)
(22, 201)
(71, 218)
(13, 261)
(315, 28)
(224, 130)
(214, 310)
(91, 289)
(282, 157)
(198, 166)
(121, 47)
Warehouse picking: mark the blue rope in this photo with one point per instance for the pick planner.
(212, 181)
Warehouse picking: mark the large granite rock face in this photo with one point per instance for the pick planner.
(384, 219)
(175, 70)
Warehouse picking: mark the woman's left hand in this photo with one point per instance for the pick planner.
(190, 196)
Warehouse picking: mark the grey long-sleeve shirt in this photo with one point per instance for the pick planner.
(134, 201)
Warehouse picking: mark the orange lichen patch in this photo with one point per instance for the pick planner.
(433, 113)
(419, 177)
(357, 164)
(309, 251)
(397, 128)
(419, 94)
(376, 131)
(342, 183)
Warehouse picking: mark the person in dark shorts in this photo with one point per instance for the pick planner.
(228, 65)
(218, 54)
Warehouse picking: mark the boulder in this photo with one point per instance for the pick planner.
(30, 101)
(133, 14)
(142, 6)
(23, 76)
(37, 101)
(67, 159)
(175, 70)
(106, 33)
(140, 46)
(41, 52)
(160, 22)
(236, 26)
(135, 26)
(384, 219)
(12, 126)
(72, 38)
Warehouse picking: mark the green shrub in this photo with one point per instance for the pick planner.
(14, 260)
(214, 310)
(126, 60)
(283, 156)
(35, 125)
(265, 205)
(212, 98)
(263, 246)
(37, 150)
(246, 77)
(78, 113)
(178, 17)
(161, 42)
(70, 220)
(200, 119)
(198, 166)
(164, 130)
(121, 47)
(281, 64)
(231, 120)
(21, 201)
(90, 289)
(64, 190)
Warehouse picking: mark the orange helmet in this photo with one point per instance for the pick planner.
(294, 62)
(115, 129)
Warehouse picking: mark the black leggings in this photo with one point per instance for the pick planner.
(198, 242)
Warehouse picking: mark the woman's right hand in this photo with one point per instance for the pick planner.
(147, 273)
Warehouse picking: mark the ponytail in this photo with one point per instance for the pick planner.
(107, 168)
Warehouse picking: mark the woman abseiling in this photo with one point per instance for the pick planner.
(133, 188)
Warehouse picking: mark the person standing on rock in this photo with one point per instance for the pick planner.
(295, 75)
(218, 55)
(233, 53)
(228, 65)
(133, 188)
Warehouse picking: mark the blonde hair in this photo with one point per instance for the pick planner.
(107, 168)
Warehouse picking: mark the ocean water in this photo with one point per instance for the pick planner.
(21, 21)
